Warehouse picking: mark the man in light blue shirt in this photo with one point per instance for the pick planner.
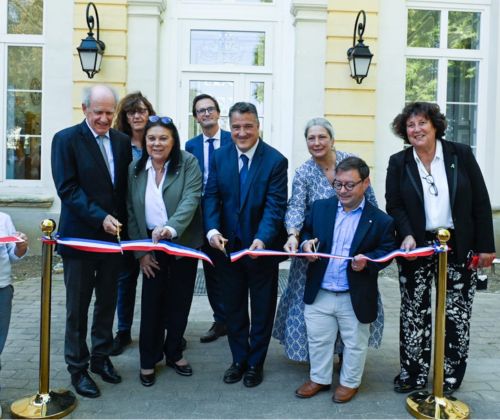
(341, 295)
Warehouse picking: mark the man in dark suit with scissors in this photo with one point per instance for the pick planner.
(206, 111)
(244, 205)
(342, 295)
(89, 167)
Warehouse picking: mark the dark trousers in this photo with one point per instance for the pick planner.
(127, 285)
(249, 338)
(415, 329)
(214, 286)
(165, 304)
(83, 276)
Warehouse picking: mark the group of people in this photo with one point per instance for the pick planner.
(228, 192)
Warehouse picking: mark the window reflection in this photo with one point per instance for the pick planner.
(25, 17)
(227, 47)
(423, 28)
(24, 110)
(421, 80)
(463, 30)
(461, 106)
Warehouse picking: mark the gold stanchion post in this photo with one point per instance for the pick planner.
(46, 404)
(423, 404)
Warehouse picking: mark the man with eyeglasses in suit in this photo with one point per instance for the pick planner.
(341, 295)
(206, 111)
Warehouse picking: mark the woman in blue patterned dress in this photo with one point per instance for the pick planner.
(312, 181)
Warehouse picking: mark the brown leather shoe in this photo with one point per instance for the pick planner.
(310, 389)
(344, 394)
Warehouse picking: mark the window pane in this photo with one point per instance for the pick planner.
(463, 30)
(462, 81)
(423, 28)
(25, 68)
(421, 80)
(25, 17)
(223, 91)
(227, 47)
(462, 123)
(24, 112)
(461, 101)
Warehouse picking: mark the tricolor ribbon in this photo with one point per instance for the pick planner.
(417, 252)
(10, 239)
(103, 247)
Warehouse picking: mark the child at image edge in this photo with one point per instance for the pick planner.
(9, 253)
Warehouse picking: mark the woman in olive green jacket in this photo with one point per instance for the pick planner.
(164, 204)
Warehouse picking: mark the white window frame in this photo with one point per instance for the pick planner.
(444, 54)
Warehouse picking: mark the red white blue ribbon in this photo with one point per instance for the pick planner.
(417, 252)
(146, 245)
(10, 239)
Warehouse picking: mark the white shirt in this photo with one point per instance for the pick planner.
(249, 153)
(437, 207)
(7, 251)
(109, 152)
(154, 207)
(206, 163)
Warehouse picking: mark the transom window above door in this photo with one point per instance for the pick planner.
(238, 48)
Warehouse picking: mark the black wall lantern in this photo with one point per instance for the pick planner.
(91, 50)
(359, 55)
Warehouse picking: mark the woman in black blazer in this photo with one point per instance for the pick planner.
(436, 184)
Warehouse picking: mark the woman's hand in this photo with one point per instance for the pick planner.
(309, 246)
(485, 260)
(292, 244)
(148, 265)
(159, 233)
(409, 244)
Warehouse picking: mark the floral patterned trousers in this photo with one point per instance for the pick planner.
(415, 329)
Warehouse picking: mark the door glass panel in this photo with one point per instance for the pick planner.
(421, 80)
(227, 47)
(461, 104)
(463, 30)
(24, 110)
(25, 17)
(223, 91)
(423, 28)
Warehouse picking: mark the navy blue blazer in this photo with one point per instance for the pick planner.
(84, 185)
(261, 213)
(195, 146)
(469, 199)
(374, 237)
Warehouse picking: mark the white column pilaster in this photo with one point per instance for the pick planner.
(143, 50)
(309, 71)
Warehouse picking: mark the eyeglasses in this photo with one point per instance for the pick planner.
(140, 111)
(432, 186)
(156, 118)
(349, 186)
(203, 111)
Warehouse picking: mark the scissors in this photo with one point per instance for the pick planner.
(118, 238)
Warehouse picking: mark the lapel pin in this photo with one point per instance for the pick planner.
(452, 166)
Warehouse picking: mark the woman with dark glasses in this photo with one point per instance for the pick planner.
(164, 204)
(436, 184)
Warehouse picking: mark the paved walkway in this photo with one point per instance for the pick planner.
(204, 395)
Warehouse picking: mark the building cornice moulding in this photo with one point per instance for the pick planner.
(146, 7)
(309, 11)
